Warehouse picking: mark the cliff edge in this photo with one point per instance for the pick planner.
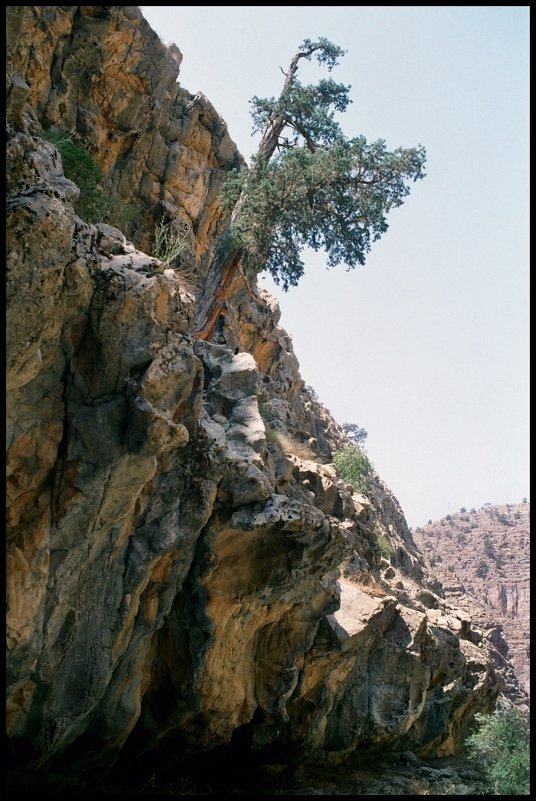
(185, 566)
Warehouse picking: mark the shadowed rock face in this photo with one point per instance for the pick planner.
(184, 562)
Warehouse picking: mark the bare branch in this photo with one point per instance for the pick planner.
(284, 144)
(308, 141)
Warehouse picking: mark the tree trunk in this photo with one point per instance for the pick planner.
(220, 274)
(222, 269)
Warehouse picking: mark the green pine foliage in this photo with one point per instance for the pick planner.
(500, 750)
(354, 433)
(310, 185)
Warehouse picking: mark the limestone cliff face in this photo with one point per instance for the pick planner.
(184, 562)
(102, 74)
(482, 559)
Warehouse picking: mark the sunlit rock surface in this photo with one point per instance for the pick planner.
(184, 563)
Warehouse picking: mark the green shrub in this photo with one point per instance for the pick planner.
(386, 549)
(80, 167)
(500, 749)
(354, 466)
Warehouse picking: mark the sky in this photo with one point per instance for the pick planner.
(427, 345)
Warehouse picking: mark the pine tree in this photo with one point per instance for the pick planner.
(308, 185)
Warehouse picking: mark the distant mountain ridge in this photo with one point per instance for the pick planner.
(481, 556)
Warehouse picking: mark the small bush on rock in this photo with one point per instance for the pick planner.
(354, 466)
(80, 167)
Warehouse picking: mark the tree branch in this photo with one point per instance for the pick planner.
(277, 121)
(308, 141)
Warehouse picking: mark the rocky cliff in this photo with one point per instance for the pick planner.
(185, 566)
(482, 558)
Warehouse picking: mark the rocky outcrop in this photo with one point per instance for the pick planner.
(185, 566)
(102, 74)
(482, 558)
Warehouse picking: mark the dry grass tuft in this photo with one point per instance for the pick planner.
(289, 445)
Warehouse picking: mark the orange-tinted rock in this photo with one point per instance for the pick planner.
(177, 530)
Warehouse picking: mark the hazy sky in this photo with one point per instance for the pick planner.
(427, 345)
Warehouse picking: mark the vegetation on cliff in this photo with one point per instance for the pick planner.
(308, 185)
(93, 205)
(354, 466)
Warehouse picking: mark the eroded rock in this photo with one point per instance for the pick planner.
(177, 531)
